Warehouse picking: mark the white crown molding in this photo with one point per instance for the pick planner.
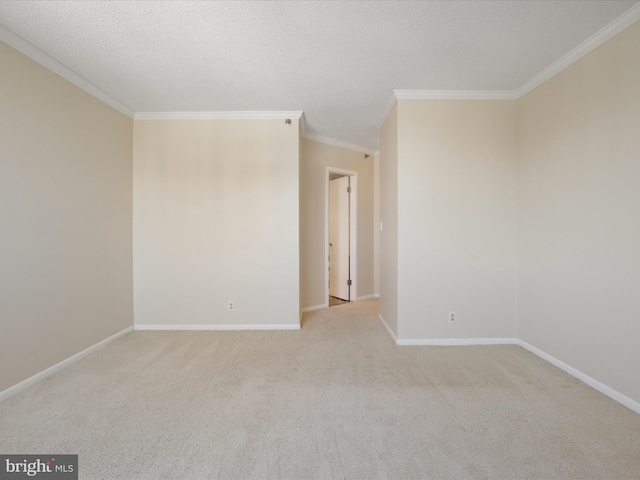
(240, 115)
(9, 392)
(34, 53)
(454, 95)
(443, 95)
(387, 109)
(594, 41)
(222, 327)
(616, 26)
(303, 125)
(275, 115)
(339, 143)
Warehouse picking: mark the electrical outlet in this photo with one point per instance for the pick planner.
(452, 317)
(232, 306)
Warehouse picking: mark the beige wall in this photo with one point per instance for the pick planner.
(457, 224)
(579, 220)
(301, 245)
(216, 219)
(389, 217)
(315, 159)
(65, 219)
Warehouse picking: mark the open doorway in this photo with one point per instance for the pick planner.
(340, 233)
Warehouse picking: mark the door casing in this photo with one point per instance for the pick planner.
(339, 233)
(353, 250)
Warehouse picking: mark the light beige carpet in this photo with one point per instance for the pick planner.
(336, 399)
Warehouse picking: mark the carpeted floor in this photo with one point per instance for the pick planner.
(336, 399)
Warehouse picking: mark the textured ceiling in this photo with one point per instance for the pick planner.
(337, 61)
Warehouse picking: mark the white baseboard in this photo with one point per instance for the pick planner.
(311, 309)
(445, 341)
(456, 341)
(389, 331)
(286, 326)
(9, 392)
(377, 295)
(592, 382)
(365, 297)
(317, 307)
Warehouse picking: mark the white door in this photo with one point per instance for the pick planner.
(339, 238)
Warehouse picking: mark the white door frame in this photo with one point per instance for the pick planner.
(353, 226)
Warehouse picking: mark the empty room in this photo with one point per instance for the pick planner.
(320, 239)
